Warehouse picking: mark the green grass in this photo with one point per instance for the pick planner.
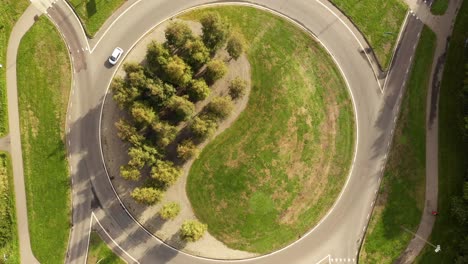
(9, 244)
(93, 13)
(278, 169)
(401, 197)
(99, 252)
(11, 10)
(44, 80)
(439, 7)
(453, 147)
(379, 21)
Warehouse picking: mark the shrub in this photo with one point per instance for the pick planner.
(215, 31)
(192, 230)
(203, 128)
(165, 173)
(198, 90)
(215, 70)
(129, 173)
(235, 45)
(169, 211)
(181, 107)
(237, 88)
(186, 150)
(147, 195)
(220, 107)
(177, 34)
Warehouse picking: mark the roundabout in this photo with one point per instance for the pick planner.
(338, 234)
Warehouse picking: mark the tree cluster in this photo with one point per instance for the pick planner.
(160, 98)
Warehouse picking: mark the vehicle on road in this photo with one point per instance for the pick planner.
(115, 56)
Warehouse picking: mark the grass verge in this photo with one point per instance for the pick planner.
(100, 252)
(278, 169)
(44, 79)
(11, 10)
(94, 13)
(401, 197)
(9, 244)
(379, 21)
(439, 7)
(453, 148)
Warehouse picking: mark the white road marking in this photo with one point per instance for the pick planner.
(372, 204)
(368, 216)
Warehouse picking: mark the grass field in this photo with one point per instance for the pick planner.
(9, 245)
(11, 10)
(278, 169)
(401, 197)
(379, 21)
(439, 7)
(99, 252)
(453, 149)
(93, 13)
(44, 79)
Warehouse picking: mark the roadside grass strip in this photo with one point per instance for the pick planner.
(11, 10)
(278, 169)
(380, 22)
(401, 197)
(44, 79)
(100, 253)
(9, 243)
(439, 7)
(93, 13)
(453, 149)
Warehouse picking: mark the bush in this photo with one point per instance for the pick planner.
(147, 195)
(237, 88)
(215, 31)
(186, 150)
(169, 211)
(220, 107)
(181, 107)
(165, 173)
(215, 70)
(192, 230)
(177, 34)
(129, 173)
(235, 45)
(203, 128)
(198, 90)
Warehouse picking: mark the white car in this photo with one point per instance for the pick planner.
(115, 56)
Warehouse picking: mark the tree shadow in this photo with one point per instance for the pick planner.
(91, 8)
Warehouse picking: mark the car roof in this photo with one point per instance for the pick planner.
(116, 52)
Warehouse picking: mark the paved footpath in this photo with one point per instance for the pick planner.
(442, 27)
(20, 28)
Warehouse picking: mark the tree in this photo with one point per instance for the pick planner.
(165, 173)
(459, 208)
(215, 70)
(237, 88)
(215, 31)
(159, 92)
(186, 150)
(220, 107)
(181, 107)
(135, 75)
(177, 34)
(123, 94)
(125, 130)
(157, 56)
(147, 195)
(198, 90)
(195, 53)
(177, 71)
(143, 113)
(165, 133)
(143, 155)
(235, 45)
(203, 128)
(169, 211)
(192, 230)
(129, 173)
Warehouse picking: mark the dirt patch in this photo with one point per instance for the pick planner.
(115, 155)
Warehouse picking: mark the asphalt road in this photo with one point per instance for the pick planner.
(337, 237)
